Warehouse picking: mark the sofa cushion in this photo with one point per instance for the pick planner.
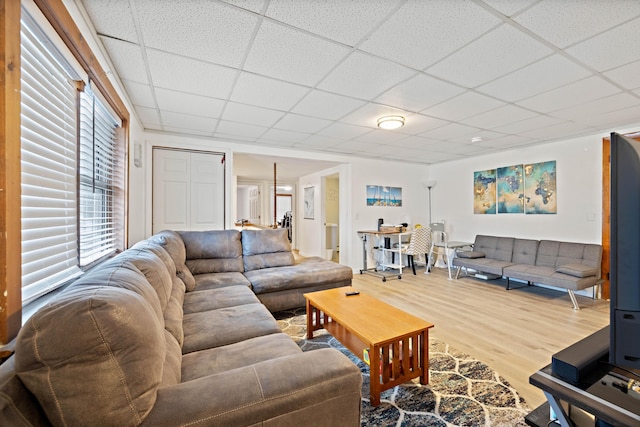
(213, 251)
(154, 269)
(498, 248)
(524, 251)
(305, 273)
(266, 249)
(470, 254)
(213, 299)
(577, 270)
(220, 280)
(78, 337)
(220, 359)
(213, 328)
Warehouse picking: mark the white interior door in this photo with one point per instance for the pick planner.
(188, 190)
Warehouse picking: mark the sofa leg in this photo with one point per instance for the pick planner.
(507, 283)
(572, 295)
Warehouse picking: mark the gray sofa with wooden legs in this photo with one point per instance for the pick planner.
(169, 333)
(567, 265)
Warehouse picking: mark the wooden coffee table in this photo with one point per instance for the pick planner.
(397, 342)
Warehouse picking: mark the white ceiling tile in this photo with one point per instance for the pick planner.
(421, 32)
(188, 103)
(233, 137)
(612, 49)
(288, 54)
(538, 121)
(627, 75)
(418, 123)
(495, 54)
(364, 76)
(419, 92)
(572, 94)
(113, 18)
(148, 116)
(190, 75)
(378, 150)
(185, 121)
(560, 131)
(252, 5)
(505, 142)
(317, 142)
(486, 135)
(350, 147)
(186, 131)
(250, 114)
(544, 75)
(234, 128)
(509, 7)
(585, 112)
(346, 22)
(326, 105)
(344, 131)
(558, 21)
(457, 148)
(451, 131)
(128, 60)
(615, 119)
(500, 116)
(299, 123)
(223, 32)
(266, 92)
(284, 136)
(139, 93)
(380, 137)
(462, 106)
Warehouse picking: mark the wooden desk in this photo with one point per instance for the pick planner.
(397, 342)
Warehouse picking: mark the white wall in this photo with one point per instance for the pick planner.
(579, 194)
(355, 215)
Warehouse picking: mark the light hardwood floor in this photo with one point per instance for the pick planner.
(515, 332)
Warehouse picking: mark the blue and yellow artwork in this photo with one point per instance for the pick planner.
(510, 183)
(484, 192)
(540, 188)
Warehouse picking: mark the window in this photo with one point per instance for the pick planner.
(72, 168)
(99, 183)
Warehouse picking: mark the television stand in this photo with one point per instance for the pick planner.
(600, 396)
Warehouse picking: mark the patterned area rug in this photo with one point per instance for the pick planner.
(462, 391)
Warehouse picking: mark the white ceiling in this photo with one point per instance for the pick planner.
(315, 75)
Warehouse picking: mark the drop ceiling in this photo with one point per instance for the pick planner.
(316, 75)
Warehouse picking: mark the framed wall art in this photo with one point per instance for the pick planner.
(309, 194)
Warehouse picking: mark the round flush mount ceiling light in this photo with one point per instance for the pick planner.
(390, 122)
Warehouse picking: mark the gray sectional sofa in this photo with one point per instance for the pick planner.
(572, 266)
(171, 333)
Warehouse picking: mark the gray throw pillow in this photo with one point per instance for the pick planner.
(470, 254)
(577, 270)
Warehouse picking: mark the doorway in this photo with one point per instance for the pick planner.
(332, 216)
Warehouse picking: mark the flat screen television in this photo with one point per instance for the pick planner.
(625, 253)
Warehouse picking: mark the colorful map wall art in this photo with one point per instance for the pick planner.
(484, 192)
(529, 189)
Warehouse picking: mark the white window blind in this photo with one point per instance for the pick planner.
(49, 166)
(99, 179)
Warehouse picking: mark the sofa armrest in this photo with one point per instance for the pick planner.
(320, 387)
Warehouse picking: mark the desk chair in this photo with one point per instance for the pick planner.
(438, 245)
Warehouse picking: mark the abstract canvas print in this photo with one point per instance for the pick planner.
(510, 186)
(484, 192)
(540, 188)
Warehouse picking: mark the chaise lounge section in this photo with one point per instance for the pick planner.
(140, 340)
(567, 265)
